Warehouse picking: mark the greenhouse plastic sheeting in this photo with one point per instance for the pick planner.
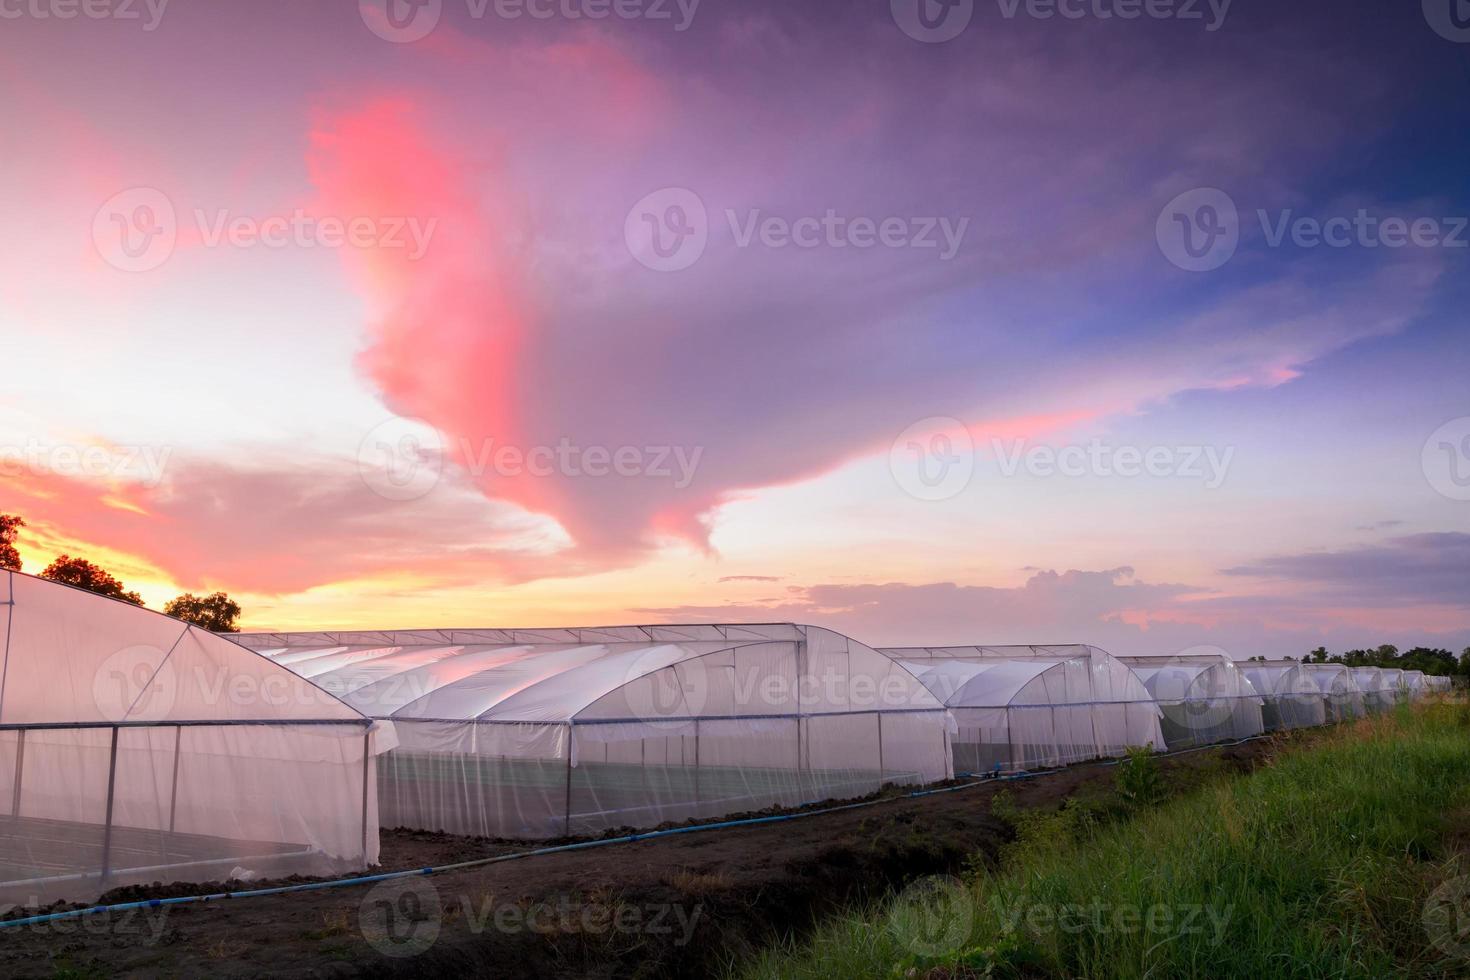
(135, 748)
(1413, 682)
(541, 733)
(1341, 697)
(1373, 683)
(1290, 695)
(1028, 707)
(1205, 698)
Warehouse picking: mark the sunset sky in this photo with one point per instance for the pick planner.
(347, 308)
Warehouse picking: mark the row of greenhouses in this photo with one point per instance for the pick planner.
(136, 748)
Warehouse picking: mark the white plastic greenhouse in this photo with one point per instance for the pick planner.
(1393, 683)
(1204, 697)
(547, 732)
(1413, 683)
(136, 748)
(1290, 695)
(1341, 695)
(1029, 707)
(1377, 695)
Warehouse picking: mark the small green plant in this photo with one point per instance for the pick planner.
(1139, 780)
(1041, 830)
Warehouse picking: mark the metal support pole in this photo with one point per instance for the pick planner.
(569, 781)
(799, 759)
(111, 792)
(880, 749)
(367, 760)
(173, 797)
(696, 765)
(20, 761)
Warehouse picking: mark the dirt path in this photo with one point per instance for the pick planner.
(678, 906)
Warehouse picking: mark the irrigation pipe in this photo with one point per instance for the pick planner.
(154, 903)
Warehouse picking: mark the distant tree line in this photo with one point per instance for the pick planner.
(1429, 660)
(217, 613)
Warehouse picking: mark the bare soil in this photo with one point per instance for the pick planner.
(686, 905)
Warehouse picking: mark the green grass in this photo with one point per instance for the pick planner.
(1321, 864)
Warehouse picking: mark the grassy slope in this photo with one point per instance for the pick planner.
(1318, 865)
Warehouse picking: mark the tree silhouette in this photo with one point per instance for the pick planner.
(85, 575)
(216, 613)
(10, 526)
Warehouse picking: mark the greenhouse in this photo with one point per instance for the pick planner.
(1029, 707)
(551, 732)
(135, 748)
(1204, 698)
(1290, 696)
(1341, 697)
(1377, 695)
(1393, 682)
(1413, 683)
